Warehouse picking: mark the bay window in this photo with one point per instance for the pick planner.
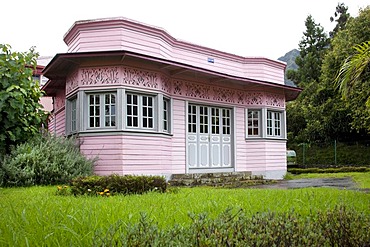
(120, 110)
(265, 123)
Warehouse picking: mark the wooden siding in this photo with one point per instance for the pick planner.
(107, 150)
(123, 34)
(179, 137)
(60, 117)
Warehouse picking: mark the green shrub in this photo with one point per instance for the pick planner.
(115, 184)
(328, 170)
(44, 160)
(337, 227)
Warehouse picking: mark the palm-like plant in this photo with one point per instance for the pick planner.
(353, 69)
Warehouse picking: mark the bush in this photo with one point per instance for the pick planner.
(336, 227)
(115, 184)
(328, 170)
(44, 160)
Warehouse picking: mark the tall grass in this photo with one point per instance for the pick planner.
(37, 216)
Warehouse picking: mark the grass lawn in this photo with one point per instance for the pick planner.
(37, 216)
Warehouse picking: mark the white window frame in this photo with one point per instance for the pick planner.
(101, 112)
(274, 123)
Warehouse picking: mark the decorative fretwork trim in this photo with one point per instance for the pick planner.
(176, 87)
(96, 76)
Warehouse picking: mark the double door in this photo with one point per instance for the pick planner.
(209, 142)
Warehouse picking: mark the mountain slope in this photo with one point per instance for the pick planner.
(289, 58)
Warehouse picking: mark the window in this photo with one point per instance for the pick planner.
(121, 110)
(166, 114)
(102, 110)
(110, 110)
(226, 121)
(71, 115)
(73, 105)
(274, 123)
(192, 119)
(254, 122)
(264, 123)
(140, 111)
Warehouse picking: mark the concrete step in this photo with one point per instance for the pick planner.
(213, 179)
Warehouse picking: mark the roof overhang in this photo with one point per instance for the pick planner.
(64, 63)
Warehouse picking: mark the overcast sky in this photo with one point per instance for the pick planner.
(267, 28)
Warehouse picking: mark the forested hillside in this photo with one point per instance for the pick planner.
(323, 113)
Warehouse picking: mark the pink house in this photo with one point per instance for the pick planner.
(147, 103)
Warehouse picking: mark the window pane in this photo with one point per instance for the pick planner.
(109, 106)
(226, 129)
(132, 110)
(215, 120)
(253, 122)
(165, 115)
(94, 110)
(147, 111)
(192, 119)
(203, 119)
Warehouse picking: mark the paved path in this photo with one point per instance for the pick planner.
(340, 183)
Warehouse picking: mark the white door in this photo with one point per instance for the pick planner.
(209, 137)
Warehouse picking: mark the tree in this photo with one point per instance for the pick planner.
(356, 31)
(304, 120)
(312, 49)
(342, 17)
(355, 69)
(20, 112)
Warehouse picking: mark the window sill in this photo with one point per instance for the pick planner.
(97, 132)
(249, 139)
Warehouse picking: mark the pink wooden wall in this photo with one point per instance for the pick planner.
(124, 34)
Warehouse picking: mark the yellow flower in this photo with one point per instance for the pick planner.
(108, 194)
(106, 190)
(59, 187)
(101, 193)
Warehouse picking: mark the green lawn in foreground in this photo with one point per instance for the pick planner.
(36, 215)
(361, 178)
